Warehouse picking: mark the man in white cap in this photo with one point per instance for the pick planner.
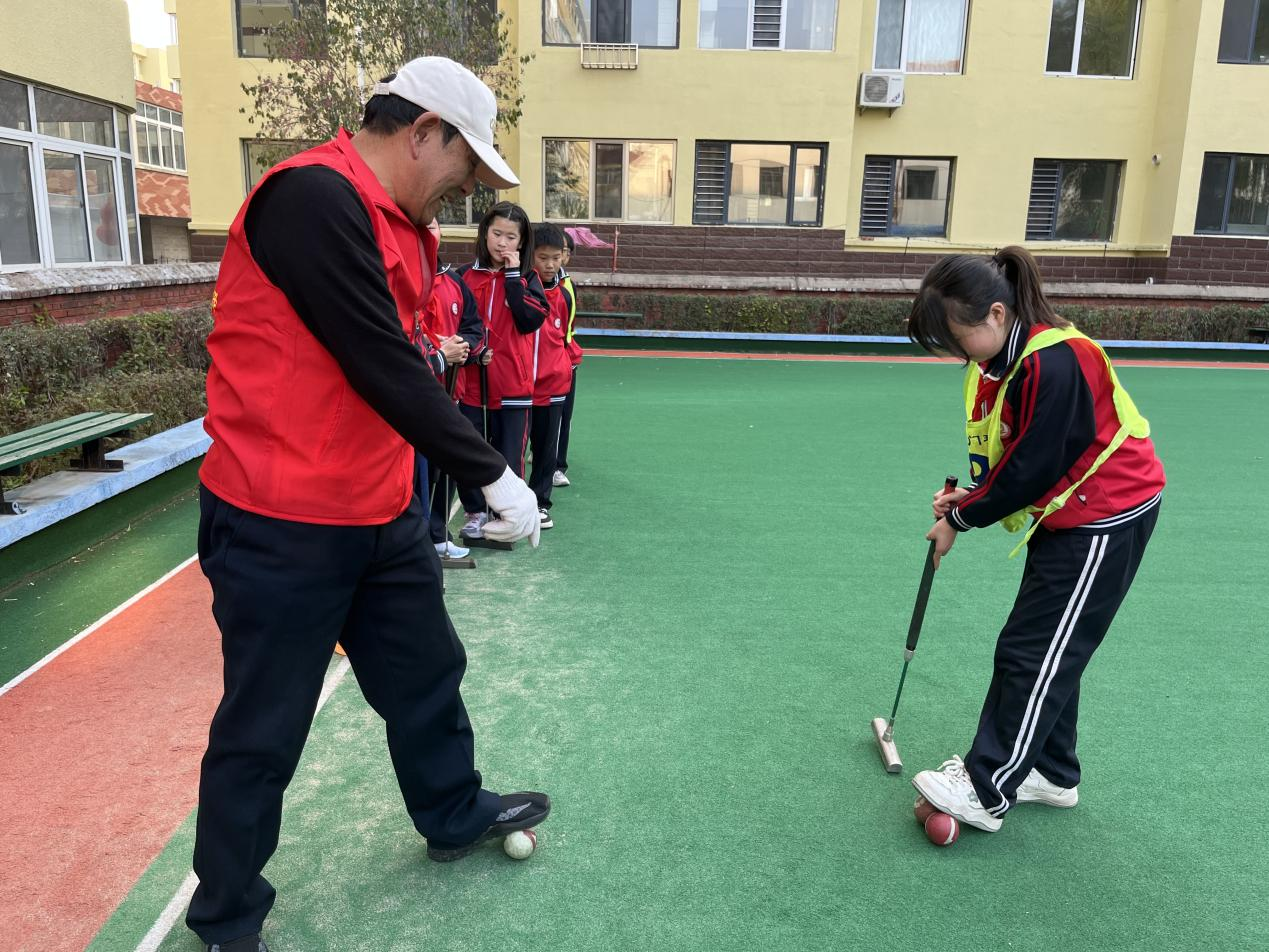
(311, 530)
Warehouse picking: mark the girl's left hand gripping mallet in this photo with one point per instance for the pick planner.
(882, 729)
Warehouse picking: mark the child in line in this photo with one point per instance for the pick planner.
(560, 478)
(554, 368)
(453, 332)
(496, 393)
(1052, 436)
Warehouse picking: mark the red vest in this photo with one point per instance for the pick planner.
(555, 369)
(510, 373)
(290, 437)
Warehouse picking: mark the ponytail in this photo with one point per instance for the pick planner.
(960, 289)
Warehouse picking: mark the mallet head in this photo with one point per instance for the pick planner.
(886, 746)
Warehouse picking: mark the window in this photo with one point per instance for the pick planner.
(160, 137)
(904, 196)
(260, 155)
(1093, 37)
(67, 191)
(1233, 195)
(257, 17)
(646, 22)
(1245, 32)
(1072, 200)
(767, 24)
(469, 210)
(609, 179)
(920, 36)
(758, 183)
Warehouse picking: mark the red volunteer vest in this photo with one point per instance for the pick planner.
(291, 439)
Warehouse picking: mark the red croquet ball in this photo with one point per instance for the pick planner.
(941, 829)
(922, 809)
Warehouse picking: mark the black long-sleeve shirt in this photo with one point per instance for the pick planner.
(312, 236)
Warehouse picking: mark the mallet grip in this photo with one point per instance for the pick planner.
(927, 579)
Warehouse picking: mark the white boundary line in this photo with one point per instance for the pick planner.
(93, 627)
(180, 899)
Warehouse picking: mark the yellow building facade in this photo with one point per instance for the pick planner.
(1121, 131)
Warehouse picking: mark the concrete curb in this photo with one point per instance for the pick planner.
(62, 495)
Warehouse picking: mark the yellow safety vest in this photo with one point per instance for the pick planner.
(572, 308)
(986, 447)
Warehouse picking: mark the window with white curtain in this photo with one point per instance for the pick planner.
(920, 36)
(767, 24)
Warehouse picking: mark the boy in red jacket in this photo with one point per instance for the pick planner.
(554, 368)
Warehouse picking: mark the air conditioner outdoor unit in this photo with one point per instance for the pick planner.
(881, 90)
(610, 56)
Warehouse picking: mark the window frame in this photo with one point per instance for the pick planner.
(36, 144)
(903, 43)
(1229, 196)
(1120, 169)
(792, 166)
(625, 178)
(238, 29)
(158, 125)
(1079, 39)
(1260, 9)
(893, 159)
(750, 48)
(678, 33)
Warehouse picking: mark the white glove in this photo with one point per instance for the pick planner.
(517, 508)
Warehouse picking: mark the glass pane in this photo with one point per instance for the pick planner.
(654, 22)
(154, 156)
(103, 212)
(255, 17)
(1062, 36)
(121, 128)
(19, 243)
(1260, 42)
(453, 212)
(1249, 202)
(66, 207)
(609, 159)
(609, 24)
(178, 150)
(724, 25)
(130, 207)
(650, 182)
(936, 32)
(483, 199)
(567, 21)
(1213, 186)
(808, 24)
(1236, 30)
(68, 117)
(568, 179)
(165, 115)
(759, 184)
(889, 34)
(920, 196)
(806, 186)
(1107, 36)
(177, 118)
(168, 157)
(15, 112)
(1086, 201)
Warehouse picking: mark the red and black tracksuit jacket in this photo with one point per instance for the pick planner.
(512, 307)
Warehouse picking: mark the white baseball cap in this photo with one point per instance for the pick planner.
(458, 96)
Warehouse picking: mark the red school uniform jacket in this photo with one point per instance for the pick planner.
(555, 368)
(512, 307)
(1059, 415)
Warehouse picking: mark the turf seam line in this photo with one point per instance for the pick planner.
(66, 646)
(721, 355)
(180, 899)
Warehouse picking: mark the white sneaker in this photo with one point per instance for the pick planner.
(449, 550)
(545, 515)
(473, 528)
(1037, 789)
(559, 479)
(950, 790)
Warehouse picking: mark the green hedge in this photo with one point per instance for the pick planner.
(807, 314)
(152, 363)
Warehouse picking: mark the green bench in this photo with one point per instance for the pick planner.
(1259, 334)
(610, 315)
(85, 430)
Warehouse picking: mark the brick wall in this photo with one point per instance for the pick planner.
(1219, 260)
(206, 247)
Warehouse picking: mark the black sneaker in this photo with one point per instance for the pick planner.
(546, 522)
(248, 943)
(520, 811)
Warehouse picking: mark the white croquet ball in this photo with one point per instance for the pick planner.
(520, 844)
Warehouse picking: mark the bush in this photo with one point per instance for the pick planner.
(149, 363)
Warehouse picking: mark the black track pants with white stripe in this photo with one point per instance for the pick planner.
(1071, 588)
